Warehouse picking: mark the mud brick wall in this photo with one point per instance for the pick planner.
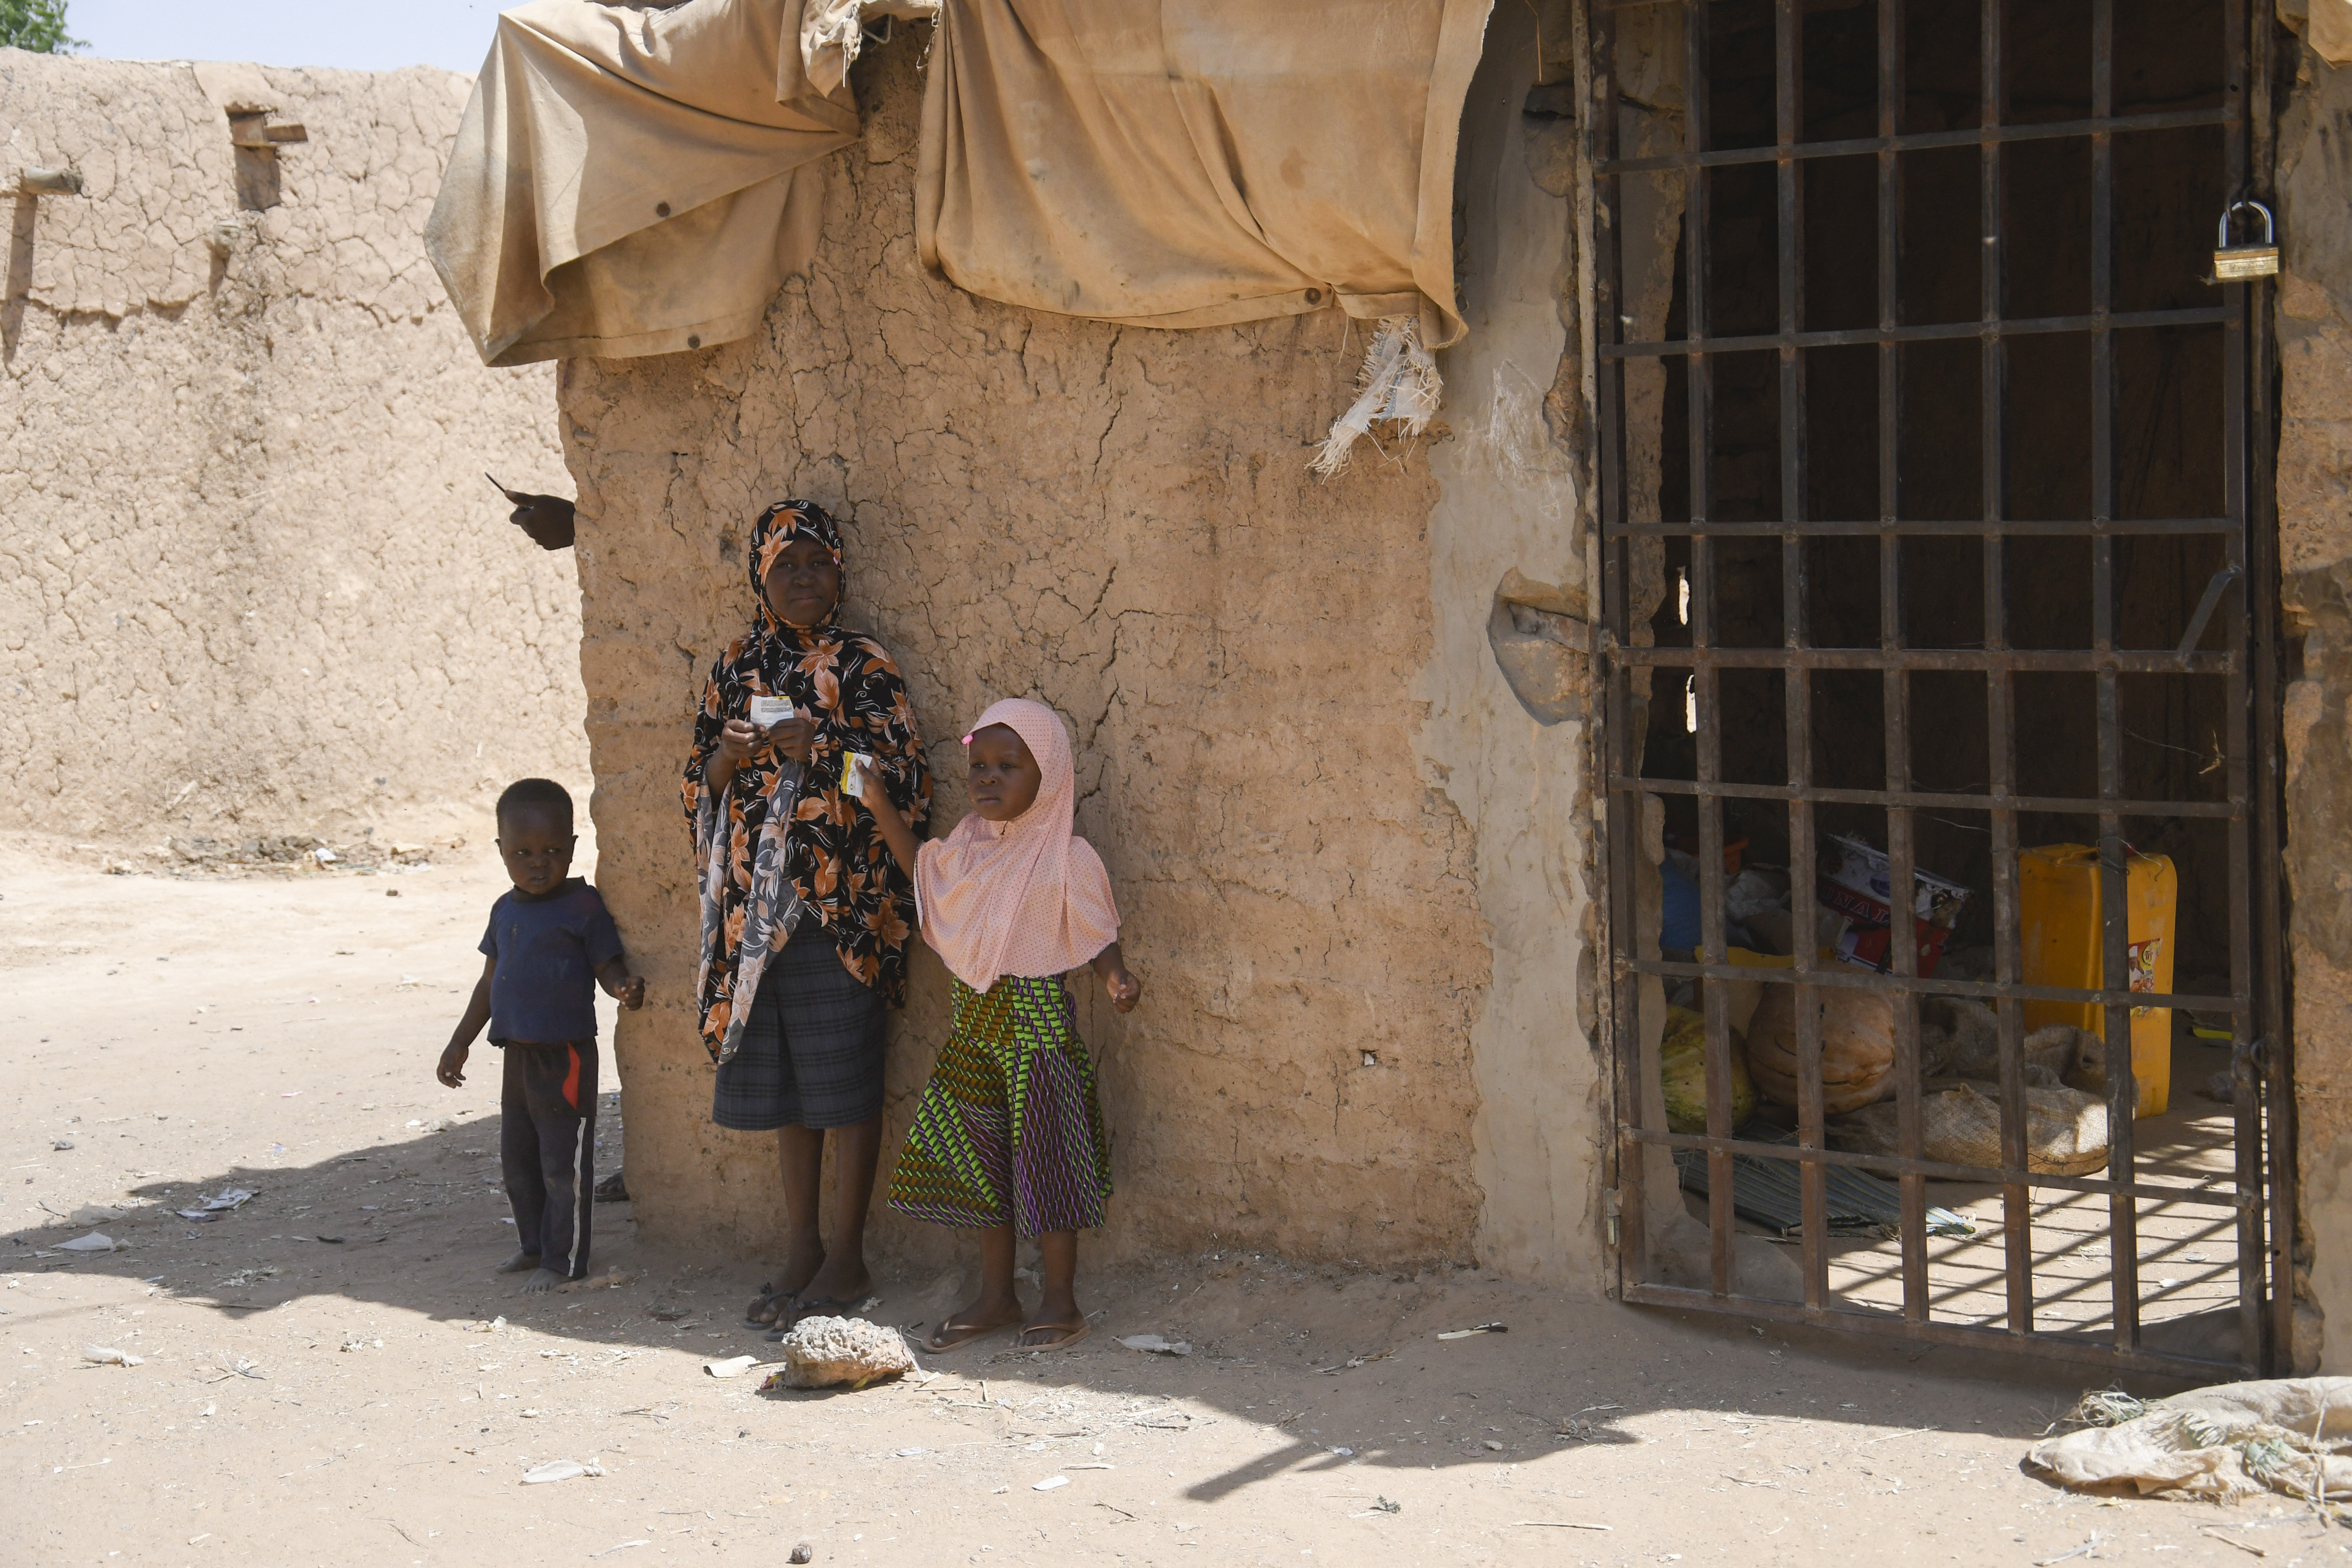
(252, 580)
(2314, 502)
(1121, 523)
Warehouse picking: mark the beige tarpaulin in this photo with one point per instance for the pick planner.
(631, 182)
(1198, 163)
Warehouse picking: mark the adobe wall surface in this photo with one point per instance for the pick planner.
(252, 580)
(1509, 585)
(1120, 522)
(2315, 501)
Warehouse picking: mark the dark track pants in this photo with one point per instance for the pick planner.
(547, 1146)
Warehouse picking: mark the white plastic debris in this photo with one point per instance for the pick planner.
(323, 855)
(1154, 1345)
(227, 1198)
(1473, 1333)
(107, 1355)
(2226, 1442)
(733, 1366)
(96, 1241)
(561, 1470)
(61, 1142)
(91, 1214)
(1050, 1482)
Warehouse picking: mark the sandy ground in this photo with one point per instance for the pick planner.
(378, 1396)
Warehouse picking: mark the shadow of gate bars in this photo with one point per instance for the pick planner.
(1985, 354)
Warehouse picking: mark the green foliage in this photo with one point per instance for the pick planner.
(36, 24)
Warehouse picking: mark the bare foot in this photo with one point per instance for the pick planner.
(518, 1263)
(542, 1281)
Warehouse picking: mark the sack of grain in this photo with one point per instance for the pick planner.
(2065, 1130)
(1857, 1046)
(1682, 1062)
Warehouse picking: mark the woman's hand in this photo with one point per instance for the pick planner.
(735, 743)
(792, 738)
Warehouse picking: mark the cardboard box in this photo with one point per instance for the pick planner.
(1856, 881)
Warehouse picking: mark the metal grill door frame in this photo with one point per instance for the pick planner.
(2264, 1192)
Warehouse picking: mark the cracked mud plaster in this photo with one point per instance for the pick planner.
(1120, 522)
(2314, 505)
(251, 573)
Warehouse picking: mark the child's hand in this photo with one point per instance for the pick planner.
(630, 991)
(452, 1070)
(867, 790)
(1124, 989)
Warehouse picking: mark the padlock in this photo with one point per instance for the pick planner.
(2237, 263)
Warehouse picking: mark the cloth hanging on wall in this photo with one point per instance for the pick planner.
(633, 181)
(1200, 162)
(630, 182)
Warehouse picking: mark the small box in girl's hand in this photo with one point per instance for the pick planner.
(855, 768)
(768, 712)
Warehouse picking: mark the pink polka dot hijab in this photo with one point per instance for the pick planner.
(1026, 897)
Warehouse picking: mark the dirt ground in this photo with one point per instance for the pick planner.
(331, 1373)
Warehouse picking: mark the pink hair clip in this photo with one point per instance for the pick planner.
(967, 739)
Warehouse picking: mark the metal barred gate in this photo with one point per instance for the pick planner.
(1935, 511)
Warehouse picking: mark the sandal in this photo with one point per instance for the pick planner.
(1071, 1334)
(769, 1307)
(952, 1335)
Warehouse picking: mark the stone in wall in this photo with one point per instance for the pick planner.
(252, 580)
(1120, 522)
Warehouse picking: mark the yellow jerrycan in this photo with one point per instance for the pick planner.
(2058, 894)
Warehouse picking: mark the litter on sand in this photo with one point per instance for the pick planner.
(623, 1546)
(1560, 1524)
(1154, 1345)
(1473, 1333)
(96, 1241)
(61, 1142)
(228, 1198)
(733, 1366)
(560, 1470)
(801, 1552)
(2227, 1442)
(1050, 1482)
(107, 1355)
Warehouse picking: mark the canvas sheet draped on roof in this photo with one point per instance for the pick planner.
(632, 183)
(1195, 162)
(629, 182)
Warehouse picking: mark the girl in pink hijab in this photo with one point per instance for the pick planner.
(1009, 1134)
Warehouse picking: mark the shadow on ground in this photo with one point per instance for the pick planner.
(1345, 1366)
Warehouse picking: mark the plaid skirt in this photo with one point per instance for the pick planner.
(1009, 1130)
(812, 1051)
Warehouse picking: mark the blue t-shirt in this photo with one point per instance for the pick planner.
(548, 951)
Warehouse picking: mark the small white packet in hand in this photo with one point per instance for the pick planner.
(768, 712)
(855, 768)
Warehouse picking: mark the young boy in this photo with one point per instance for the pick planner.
(547, 939)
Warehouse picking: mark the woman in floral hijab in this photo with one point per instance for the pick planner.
(806, 915)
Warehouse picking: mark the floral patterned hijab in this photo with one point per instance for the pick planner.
(783, 846)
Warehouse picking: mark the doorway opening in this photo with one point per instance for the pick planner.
(1934, 560)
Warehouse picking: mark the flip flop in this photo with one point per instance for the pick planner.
(768, 1297)
(822, 1307)
(1071, 1334)
(962, 1335)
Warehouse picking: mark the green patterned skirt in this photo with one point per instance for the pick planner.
(1009, 1130)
